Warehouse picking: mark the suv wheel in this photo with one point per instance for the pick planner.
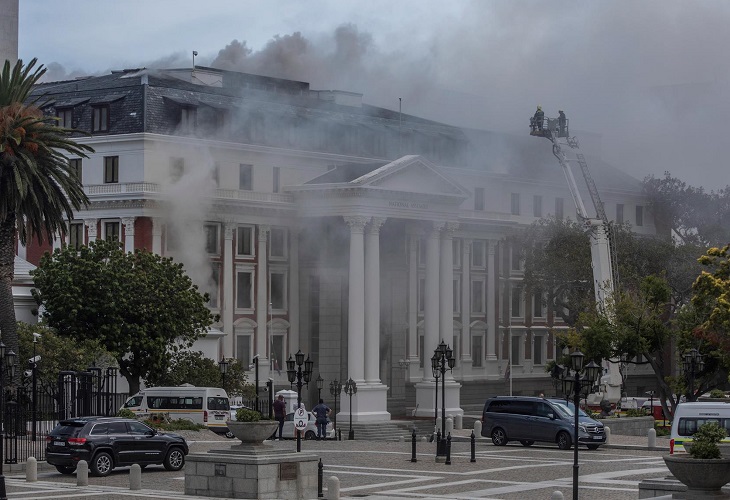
(592, 446)
(175, 459)
(499, 438)
(310, 435)
(527, 442)
(65, 469)
(102, 464)
(563, 440)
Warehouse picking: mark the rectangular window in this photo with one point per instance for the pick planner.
(75, 165)
(421, 252)
(243, 349)
(188, 118)
(516, 357)
(215, 174)
(477, 296)
(537, 350)
(111, 231)
(537, 206)
(211, 239)
(477, 254)
(111, 169)
(538, 308)
(619, 213)
(65, 117)
(421, 294)
(456, 295)
(515, 204)
(476, 350)
(516, 305)
(278, 291)
(245, 246)
(244, 290)
(479, 199)
(177, 168)
(76, 235)
(277, 179)
(559, 208)
(456, 252)
(639, 215)
(277, 243)
(214, 285)
(515, 257)
(421, 352)
(245, 177)
(100, 119)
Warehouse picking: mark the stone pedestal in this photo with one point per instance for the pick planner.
(425, 398)
(251, 472)
(369, 404)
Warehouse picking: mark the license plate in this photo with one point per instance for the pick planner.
(219, 417)
(59, 443)
(597, 437)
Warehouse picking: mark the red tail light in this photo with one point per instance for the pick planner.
(205, 416)
(76, 441)
(49, 439)
(671, 446)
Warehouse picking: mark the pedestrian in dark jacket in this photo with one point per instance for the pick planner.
(280, 412)
(321, 412)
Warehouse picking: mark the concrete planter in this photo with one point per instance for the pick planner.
(253, 433)
(699, 475)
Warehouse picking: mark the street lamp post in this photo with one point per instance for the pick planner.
(256, 380)
(436, 375)
(223, 367)
(335, 390)
(320, 384)
(441, 361)
(7, 361)
(294, 373)
(350, 389)
(572, 385)
(693, 363)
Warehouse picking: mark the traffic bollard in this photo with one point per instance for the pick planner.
(448, 450)
(135, 477)
(458, 422)
(320, 476)
(82, 473)
(333, 488)
(473, 447)
(31, 470)
(557, 495)
(413, 446)
(651, 435)
(478, 427)
(449, 425)
(607, 432)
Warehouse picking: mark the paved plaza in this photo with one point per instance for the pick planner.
(374, 470)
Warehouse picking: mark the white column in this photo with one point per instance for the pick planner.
(446, 289)
(293, 290)
(431, 313)
(356, 303)
(226, 303)
(157, 235)
(91, 228)
(412, 348)
(465, 303)
(128, 223)
(262, 301)
(372, 301)
(491, 303)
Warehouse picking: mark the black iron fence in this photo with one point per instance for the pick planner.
(29, 414)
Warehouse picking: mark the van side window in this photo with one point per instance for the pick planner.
(133, 401)
(499, 406)
(688, 426)
(218, 403)
(544, 410)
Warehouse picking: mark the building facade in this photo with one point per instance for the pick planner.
(358, 235)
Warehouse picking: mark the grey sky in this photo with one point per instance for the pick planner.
(650, 77)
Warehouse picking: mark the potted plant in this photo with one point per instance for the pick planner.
(250, 427)
(704, 470)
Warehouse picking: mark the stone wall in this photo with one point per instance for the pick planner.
(629, 426)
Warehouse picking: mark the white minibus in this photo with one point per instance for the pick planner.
(690, 416)
(207, 406)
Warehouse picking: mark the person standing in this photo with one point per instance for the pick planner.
(539, 118)
(321, 412)
(562, 124)
(280, 412)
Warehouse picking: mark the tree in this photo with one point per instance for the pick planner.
(140, 306)
(38, 188)
(192, 367)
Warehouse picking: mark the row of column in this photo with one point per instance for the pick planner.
(92, 226)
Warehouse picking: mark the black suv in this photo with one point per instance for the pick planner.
(108, 442)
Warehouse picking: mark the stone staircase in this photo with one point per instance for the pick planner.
(386, 430)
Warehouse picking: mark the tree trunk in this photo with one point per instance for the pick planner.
(8, 324)
(132, 380)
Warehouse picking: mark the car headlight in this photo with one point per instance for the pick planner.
(582, 428)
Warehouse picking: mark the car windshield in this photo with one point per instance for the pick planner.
(568, 409)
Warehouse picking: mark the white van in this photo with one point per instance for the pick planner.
(207, 406)
(690, 416)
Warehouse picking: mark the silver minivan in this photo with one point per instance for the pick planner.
(529, 420)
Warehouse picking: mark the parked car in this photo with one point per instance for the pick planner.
(109, 442)
(530, 419)
(288, 431)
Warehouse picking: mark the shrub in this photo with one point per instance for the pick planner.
(246, 415)
(717, 393)
(174, 425)
(126, 413)
(704, 441)
(661, 430)
(638, 412)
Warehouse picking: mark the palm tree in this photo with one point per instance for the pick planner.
(38, 189)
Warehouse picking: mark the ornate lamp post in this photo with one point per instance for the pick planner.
(320, 384)
(350, 389)
(294, 372)
(223, 367)
(573, 386)
(693, 363)
(436, 375)
(441, 361)
(256, 380)
(7, 361)
(335, 390)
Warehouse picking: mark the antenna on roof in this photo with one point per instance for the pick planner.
(400, 116)
(195, 53)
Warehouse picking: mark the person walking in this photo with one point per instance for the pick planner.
(321, 412)
(280, 412)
